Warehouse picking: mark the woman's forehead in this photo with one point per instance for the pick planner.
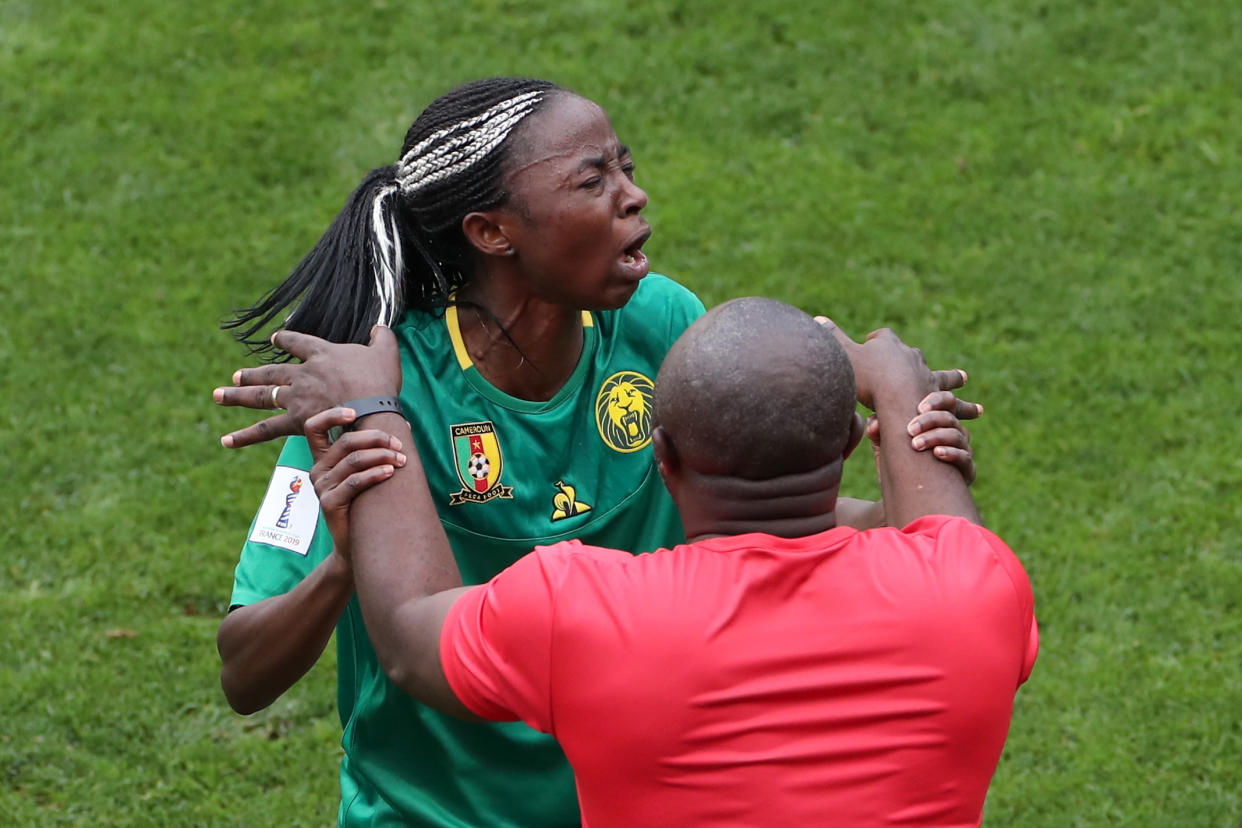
(569, 132)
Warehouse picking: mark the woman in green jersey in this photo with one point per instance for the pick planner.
(504, 248)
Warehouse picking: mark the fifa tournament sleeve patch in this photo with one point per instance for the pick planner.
(290, 512)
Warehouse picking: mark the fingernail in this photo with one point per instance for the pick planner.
(965, 376)
(940, 451)
(237, 377)
(919, 443)
(218, 395)
(227, 441)
(980, 407)
(400, 459)
(913, 427)
(924, 407)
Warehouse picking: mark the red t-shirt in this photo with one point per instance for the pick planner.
(847, 678)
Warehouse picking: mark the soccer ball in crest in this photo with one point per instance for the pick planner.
(478, 466)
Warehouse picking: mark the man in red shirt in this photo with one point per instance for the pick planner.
(777, 669)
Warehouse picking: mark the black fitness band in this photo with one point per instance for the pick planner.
(362, 408)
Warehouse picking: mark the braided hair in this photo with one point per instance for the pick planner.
(398, 241)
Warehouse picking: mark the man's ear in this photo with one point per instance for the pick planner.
(485, 230)
(668, 461)
(856, 434)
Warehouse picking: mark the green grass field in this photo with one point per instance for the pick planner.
(1046, 194)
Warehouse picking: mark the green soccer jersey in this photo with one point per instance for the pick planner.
(507, 474)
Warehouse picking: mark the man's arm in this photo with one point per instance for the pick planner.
(406, 576)
(936, 429)
(892, 379)
(398, 589)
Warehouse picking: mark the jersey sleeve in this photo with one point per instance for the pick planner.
(287, 537)
(958, 534)
(496, 643)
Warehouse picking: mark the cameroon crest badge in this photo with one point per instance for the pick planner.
(479, 464)
(623, 411)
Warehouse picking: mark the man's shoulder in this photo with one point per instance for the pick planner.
(957, 531)
(574, 554)
(959, 550)
(950, 528)
(567, 569)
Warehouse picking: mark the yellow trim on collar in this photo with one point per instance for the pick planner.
(454, 330)
(459, 345)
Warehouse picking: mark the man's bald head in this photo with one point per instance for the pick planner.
(756, 389)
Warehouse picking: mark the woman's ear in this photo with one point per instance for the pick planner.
(485, 230)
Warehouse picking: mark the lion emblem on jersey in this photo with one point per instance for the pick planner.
(623, 411)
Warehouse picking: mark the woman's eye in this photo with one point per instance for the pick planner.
(592, 182)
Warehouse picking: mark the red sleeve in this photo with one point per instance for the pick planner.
(956, 530)
(1032, 650)
(495, 646)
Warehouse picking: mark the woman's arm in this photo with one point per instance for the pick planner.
(265, 647)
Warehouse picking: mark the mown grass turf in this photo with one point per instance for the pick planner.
(1046, 194)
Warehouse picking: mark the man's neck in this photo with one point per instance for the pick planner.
(790, 506)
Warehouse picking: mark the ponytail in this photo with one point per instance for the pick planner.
(350, 280)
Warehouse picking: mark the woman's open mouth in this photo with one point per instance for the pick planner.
(634, 261)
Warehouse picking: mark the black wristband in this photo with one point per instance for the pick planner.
(363, 407)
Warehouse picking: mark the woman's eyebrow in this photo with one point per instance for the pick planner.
(619, 151)
(590, 161)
